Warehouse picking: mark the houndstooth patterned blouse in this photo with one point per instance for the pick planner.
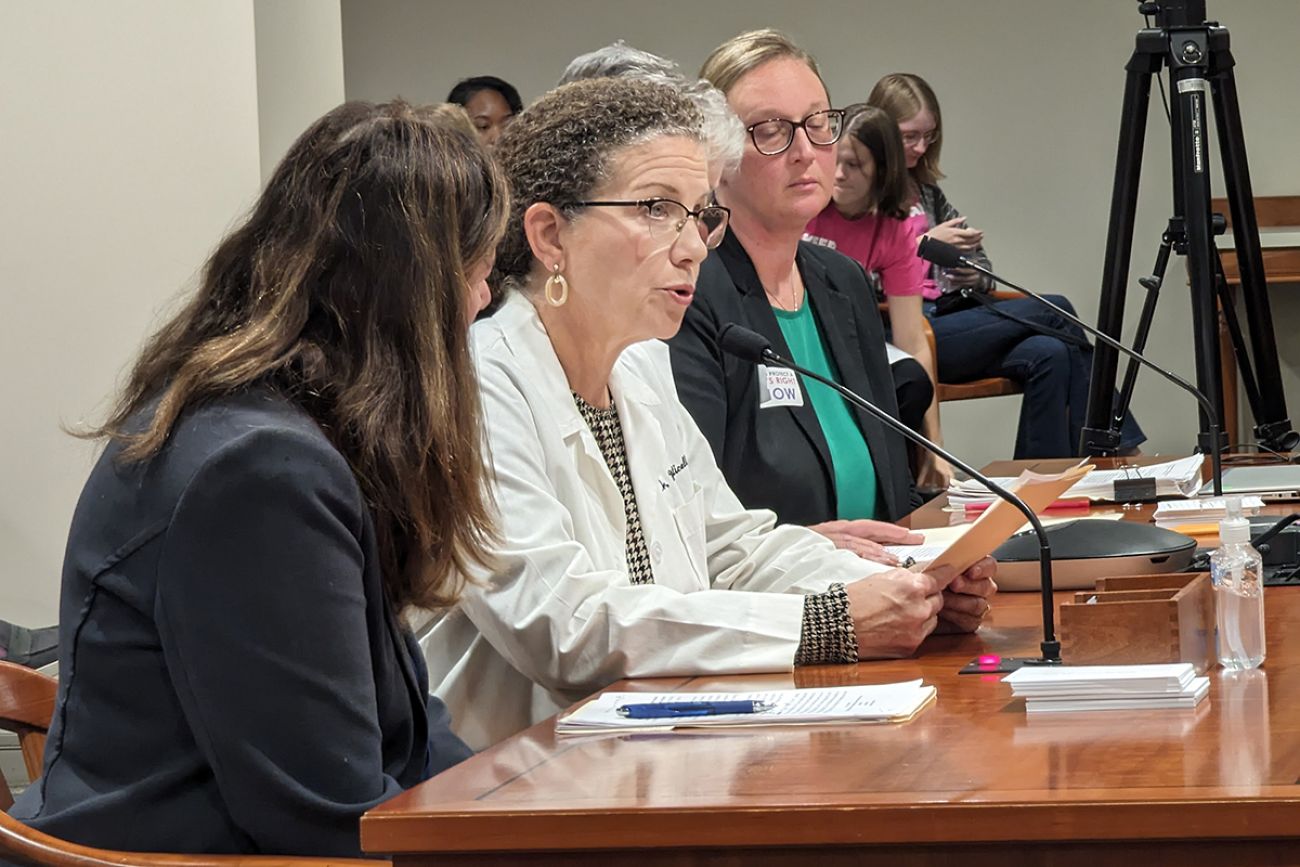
(605, 427)
(826, 633)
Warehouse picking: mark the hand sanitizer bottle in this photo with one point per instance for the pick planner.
(1237, 571)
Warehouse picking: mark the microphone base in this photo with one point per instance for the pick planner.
(993, 664)
(1051, 654)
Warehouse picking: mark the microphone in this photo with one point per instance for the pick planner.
(745, 344)
(941, 253)
(750, 346)
(945, 255)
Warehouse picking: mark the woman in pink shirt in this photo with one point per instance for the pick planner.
(869, 220)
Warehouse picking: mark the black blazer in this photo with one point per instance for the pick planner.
(232, 679)
(777, 458)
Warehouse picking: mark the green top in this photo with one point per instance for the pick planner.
(856, 490)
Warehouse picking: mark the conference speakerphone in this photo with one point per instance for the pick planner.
(1136, 549)
(1129, 548)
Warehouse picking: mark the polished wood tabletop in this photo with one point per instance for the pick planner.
(971, 778)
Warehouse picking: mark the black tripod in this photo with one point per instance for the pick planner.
(1200, 65)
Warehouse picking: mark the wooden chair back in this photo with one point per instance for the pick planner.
(26, 707)
(1281, 264)
(992, 386)
(22, 845)
(27, 701)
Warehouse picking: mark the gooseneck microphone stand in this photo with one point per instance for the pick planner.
(1200, 66)
(753, 347)
(945, 255)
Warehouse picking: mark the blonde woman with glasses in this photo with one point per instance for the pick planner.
(809, 457)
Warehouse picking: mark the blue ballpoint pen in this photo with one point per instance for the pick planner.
(666, 710)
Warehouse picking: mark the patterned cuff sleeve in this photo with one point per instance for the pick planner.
(827, 634)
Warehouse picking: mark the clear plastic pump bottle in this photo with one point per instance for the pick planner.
(1237, 571)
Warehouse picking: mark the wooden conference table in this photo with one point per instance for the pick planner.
(971, 781)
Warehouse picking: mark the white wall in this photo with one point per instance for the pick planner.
(299, 70)
(129, 145)
(1031, 96)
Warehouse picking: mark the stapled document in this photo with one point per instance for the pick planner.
(879, 703)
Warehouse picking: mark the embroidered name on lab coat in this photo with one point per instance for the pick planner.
(672, 473)
(778, 386)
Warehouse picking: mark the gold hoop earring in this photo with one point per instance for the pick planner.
(557, 283)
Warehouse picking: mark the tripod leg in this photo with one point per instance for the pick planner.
(1152, 285)
(1100, 434)
(1273, 427)
(1191, 91)
(1229, 310)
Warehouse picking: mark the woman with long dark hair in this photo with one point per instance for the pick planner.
(295, 461)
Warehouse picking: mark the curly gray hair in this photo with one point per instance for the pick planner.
(560, 148)
(723, 132)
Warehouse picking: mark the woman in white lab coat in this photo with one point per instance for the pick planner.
(622, 552)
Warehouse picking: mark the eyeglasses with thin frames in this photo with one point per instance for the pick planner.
(775, 135)
(667, 217)
(913, 138)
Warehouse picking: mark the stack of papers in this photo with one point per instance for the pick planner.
(1184, 515)
(938, 539)
(999, 522)
(891, 702)
(1180, 478)
(1108, 687)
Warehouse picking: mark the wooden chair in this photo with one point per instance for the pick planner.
(992, 386)
(1281, 266)
(26, 707)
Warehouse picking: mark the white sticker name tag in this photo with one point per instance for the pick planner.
(778, 386)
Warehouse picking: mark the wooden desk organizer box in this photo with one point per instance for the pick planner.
(1141, 619)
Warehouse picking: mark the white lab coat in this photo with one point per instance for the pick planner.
(558, 617)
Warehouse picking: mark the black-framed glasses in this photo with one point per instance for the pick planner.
(775, 135)
(667, 217)
(913, 138)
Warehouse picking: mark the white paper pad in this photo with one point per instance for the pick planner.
(1196, 691)
(891, 702)
(1108, 687)
(1052, 677)
(1172, 513)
